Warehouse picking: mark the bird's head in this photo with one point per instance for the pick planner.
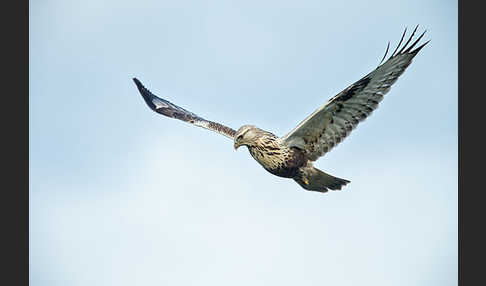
(245, 135)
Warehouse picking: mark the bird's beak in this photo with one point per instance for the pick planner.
(236, 146)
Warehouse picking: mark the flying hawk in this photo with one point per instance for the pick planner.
(291, 156)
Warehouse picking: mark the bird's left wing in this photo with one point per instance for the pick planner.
(171, 110)
(332, 122)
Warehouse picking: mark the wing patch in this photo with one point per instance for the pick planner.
(159, 103)
(354, 89)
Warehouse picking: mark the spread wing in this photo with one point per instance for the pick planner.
(332, 122)
(171, 110)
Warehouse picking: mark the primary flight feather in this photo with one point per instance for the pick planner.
(291, 156)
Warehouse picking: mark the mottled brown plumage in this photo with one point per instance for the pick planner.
(291, 156)
(267, 149)
(278, 158)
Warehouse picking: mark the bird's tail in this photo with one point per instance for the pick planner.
(313, 179)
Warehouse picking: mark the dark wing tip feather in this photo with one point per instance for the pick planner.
(386, 52)
(406, 49)
(137, 82)
(399, 43)
(414, 43)
(146, 94)
(409, 39)
(419, 48)
(139, 85)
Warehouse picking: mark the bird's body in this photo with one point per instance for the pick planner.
(279, 158)
(281, 161)
(291, 156)
(271, 152)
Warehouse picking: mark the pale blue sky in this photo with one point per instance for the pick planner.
(120, 195)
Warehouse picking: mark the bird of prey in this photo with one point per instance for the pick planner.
(291, 156)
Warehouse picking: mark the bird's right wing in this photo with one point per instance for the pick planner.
(171, 110)
(333, 121)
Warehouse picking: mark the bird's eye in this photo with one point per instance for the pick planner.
(239, 137)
